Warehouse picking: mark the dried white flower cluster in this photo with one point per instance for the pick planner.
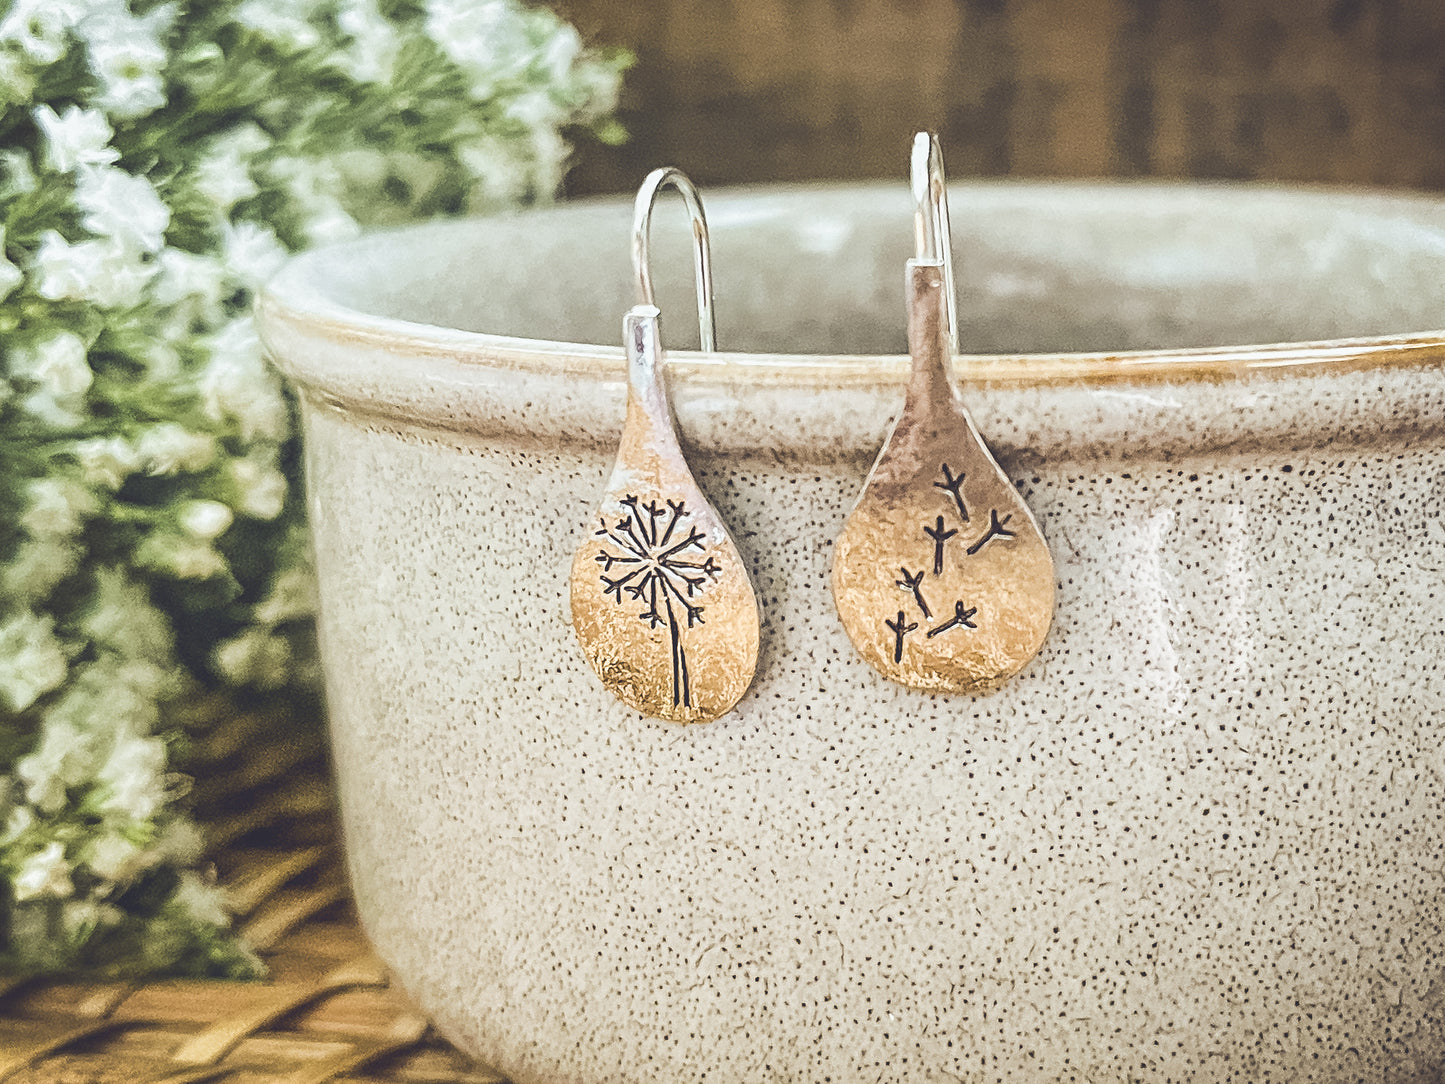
(158, 162)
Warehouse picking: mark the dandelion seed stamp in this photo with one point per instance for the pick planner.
(942, 578)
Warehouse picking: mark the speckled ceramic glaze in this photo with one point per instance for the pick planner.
(1200, 837)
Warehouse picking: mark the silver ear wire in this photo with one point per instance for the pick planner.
(932, 240)
(647, 195)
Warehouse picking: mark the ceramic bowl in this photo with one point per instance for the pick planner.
(1200, 837)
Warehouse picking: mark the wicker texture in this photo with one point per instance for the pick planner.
(328, 1011)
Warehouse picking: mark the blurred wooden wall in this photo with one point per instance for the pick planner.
(1298, 90)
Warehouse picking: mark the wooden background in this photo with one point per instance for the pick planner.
(1340, 91)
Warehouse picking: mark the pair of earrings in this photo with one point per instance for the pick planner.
(941, 576)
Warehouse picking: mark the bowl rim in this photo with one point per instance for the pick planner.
(290, 300)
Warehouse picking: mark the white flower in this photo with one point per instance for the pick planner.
(275, 21)
(122, 619)
(162, 360)
(10, 275)
(132, 780)
(64, 271)
(91, 582)
(111, 695)
(64, 758)
(79, 917)
(327, 222)
(45, 873)
(180, 556)
(57, 413)
(74, 138)
(502, 175)
(536, 109)
(56, 363)
(32, 661)
(106, 461)
(311, 184)
(237, 384)
(560, 53)
(236, 343)
(255, 657)
(261, 488)
(223, 173)
(149, 680)
(595, 88)
(201, 902)
(167, 448)
(105, 272)
(375, 44)
(127, 57)
(20, 821)
(130, 79)
(362, 167)
(112, 20)
(204, 519)
(37, 28)
(56, 506)
(488, 40)
(240, 143)
(252, 253)
(37, 568)
(197, 281)
(19, 174)
(225, 180)
(112, 857)
(122, 206)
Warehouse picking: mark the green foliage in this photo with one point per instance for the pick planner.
(157, 162)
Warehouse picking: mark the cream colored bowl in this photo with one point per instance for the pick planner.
(1199, 838)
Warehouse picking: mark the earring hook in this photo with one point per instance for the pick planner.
(932, 240)
(647, 195)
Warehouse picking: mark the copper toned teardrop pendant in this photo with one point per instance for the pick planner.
(941, 575)
(661, 601)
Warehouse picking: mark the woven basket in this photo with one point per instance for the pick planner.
(327, 1012)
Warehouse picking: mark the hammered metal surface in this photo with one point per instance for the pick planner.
(941, 576)
(660, 599)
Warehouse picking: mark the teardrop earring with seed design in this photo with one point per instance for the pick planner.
(661, 602)
(941, 575)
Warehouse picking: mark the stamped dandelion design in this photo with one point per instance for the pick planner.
(659, 577)
(661, 600)
(655, 565)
